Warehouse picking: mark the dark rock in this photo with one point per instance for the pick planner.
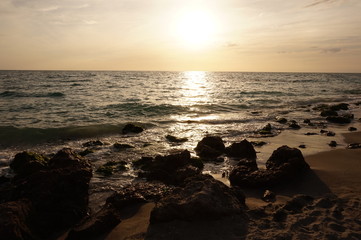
(354, 146)
(322, 131)
(86, 152)
(201, 198)
(328, 113)
(196, 162)
(310, 134)
(339, 119)
(280, 215)
(243, 149)
(210, 147)
(27, 163)
(14, 217)
(121, 146)
(97, 225)
(266, 130)
(269, 196)
(171, 169)
(308, 121)
(294, 125)
(341, 106)
(333, 144)
(131, 128)
(144, 163)
(286, 164)
(281, 120)
(330, 134)
(351, 129)
(58, 194)
(302, 146)
(112, 166)
(174, 139)
(258, 143)
(105, 170)
(93, 143)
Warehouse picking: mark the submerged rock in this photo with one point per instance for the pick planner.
(243, 149)
(174, 139)
(210, 147)
(93, 143)
(122, 146)
(131, 128)
(346, 118)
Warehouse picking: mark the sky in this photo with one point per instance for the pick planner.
(169, 35)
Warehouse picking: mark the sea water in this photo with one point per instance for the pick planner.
(45, 111)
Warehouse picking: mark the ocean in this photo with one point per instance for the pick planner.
(45, 111)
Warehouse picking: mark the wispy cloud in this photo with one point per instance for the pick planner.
(319, 2)
(331, 50)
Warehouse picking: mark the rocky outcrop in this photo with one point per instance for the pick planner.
(285, 164)
(210, 147)
(201, 198)
(131, 128)
(56, 195)
(243, 149)
(170, 169)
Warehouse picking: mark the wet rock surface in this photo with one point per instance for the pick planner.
(243, 149)
(50, 198)
(210, 147)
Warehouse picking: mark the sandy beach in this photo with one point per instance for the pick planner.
(334, 174)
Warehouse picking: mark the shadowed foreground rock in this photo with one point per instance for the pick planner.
(47, 199)
(210, 147)
(285, 164)
(243, 149)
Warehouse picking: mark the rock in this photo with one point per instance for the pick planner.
(27, 163)
(93, 143)
(328, 113)
(341, 106)
(339, 119)
(170, 169)
(258, 143)
(174, 139)
(330, 134)
(131, 128)
(210, 147)
(266, 130)
(97, 225)
(354, 146)
(86, 152)
(243, 149)
(351, 129)
(281, 120)
(120, 146)
(311, 134)
(302, 146)
(201, 198)
(269, 196)
(57, 194)
(14, 217)
(294, 125)
(307, 121)
(112, 166)
(333, 144)
(285, 165)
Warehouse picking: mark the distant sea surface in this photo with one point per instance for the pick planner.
(49, 106)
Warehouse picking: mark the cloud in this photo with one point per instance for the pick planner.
(319, 2)
(331, 50)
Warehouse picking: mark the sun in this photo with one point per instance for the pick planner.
(196, 28)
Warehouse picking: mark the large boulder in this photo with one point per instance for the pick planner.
(285, 164)
(27, 163)
(58, 194)
(210, 147)
(243, 149)
(201, 198)
(131, 128)
(170, 169)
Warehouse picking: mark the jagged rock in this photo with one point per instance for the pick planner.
(284, 165)
(122, 146)
(26, 163)
(352, 129)
(58, 194)
(131, 128)
(174, 139)
(333, 144)
(210, 147)
(201, 198)
(281, 120)
(269, 196)
(266, 130)
(243, 149)
(171, 169)
(93, 143)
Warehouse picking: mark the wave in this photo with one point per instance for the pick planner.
(13, 136)
(14, 94)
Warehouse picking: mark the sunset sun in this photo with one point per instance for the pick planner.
(196, 28)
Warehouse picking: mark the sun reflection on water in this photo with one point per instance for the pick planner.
(195, 88)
